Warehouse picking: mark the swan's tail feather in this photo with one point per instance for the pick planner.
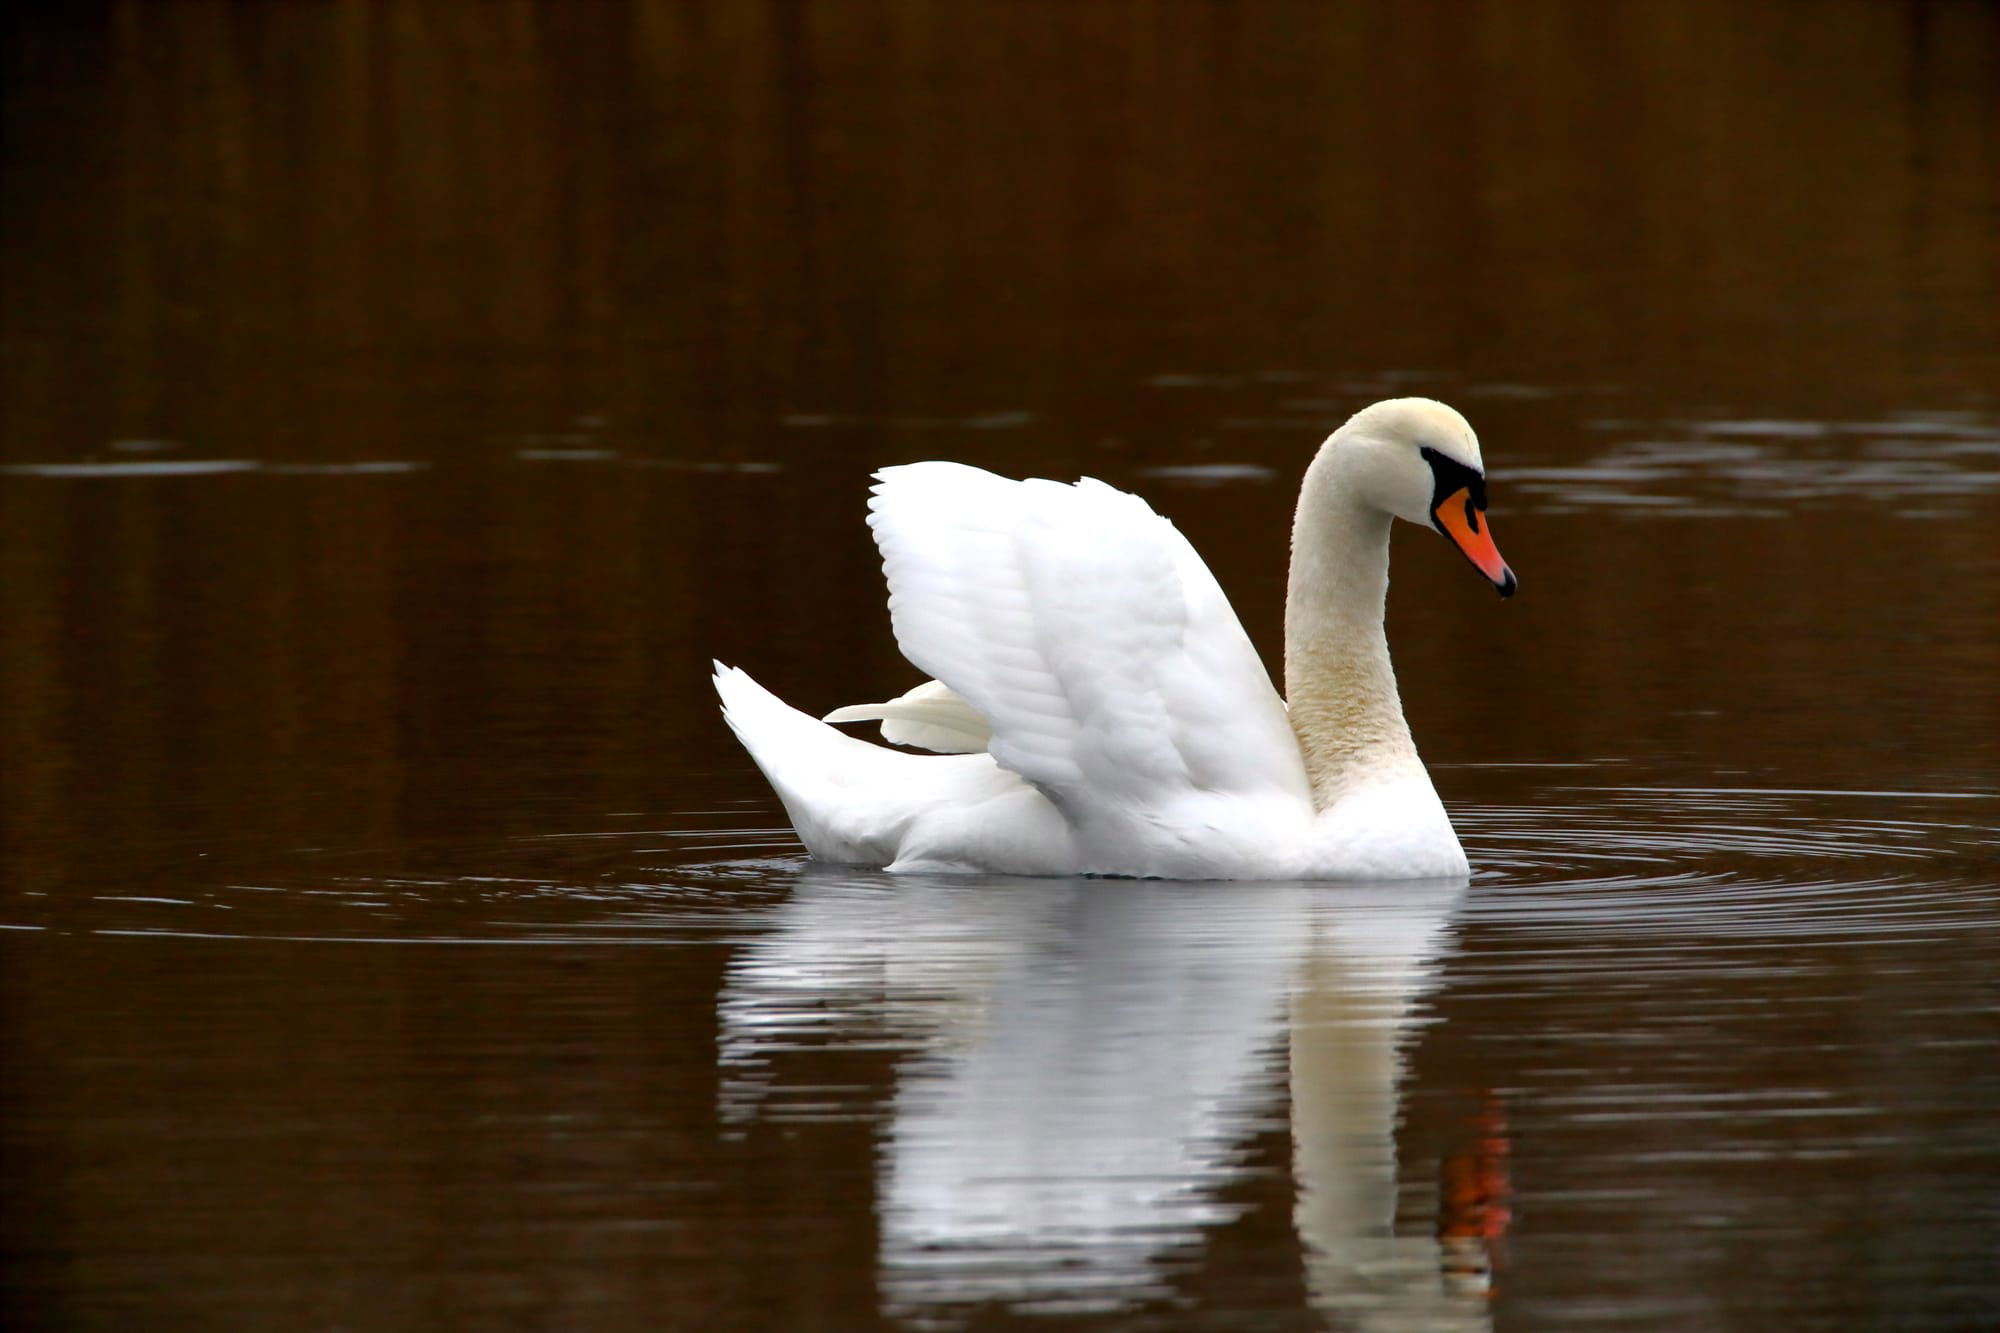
(857, 803)
(806, 762)
(852, 802)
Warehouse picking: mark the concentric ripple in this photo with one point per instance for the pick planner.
(1608, 861)
(1737, 861)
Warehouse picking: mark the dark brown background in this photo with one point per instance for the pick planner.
(401, 403)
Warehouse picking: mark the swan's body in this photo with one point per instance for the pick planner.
(1105, 711)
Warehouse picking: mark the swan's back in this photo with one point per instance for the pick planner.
(1084, 627)
(1119, 686)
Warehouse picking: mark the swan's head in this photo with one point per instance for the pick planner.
(1417, 459)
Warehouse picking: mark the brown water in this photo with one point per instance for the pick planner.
(400, 404)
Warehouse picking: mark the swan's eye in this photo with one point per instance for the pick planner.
(1448, 477)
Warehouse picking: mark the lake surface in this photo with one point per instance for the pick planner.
(400, 405)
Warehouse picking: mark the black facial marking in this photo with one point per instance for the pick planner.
(1448, 477)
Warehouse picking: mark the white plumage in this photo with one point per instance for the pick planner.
(1101, 708)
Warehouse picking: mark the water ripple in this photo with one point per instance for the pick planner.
(1571, 859)
(1920, 462)
(1624, 863)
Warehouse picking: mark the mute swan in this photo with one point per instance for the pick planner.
(1099, 709)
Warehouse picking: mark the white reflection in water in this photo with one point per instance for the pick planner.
(1373, 957)
(1693, 468)
(1089, 1059)
(1089, 1118)
(202, 467)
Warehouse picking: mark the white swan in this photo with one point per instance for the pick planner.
(1101, 709)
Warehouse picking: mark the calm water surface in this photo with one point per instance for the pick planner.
(399, 407)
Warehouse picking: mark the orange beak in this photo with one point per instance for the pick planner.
(1457, 519)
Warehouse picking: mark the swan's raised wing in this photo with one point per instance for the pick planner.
(1086, 630)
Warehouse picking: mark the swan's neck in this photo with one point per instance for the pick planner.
(1339, 685)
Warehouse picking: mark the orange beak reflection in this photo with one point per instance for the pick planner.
(1457, 519)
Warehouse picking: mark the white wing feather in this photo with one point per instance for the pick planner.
(929, 717)
(1092, 638)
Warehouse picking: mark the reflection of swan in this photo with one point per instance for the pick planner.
(1105, 710)
(1094, 1049)
(1372, 959)
(1089, 1059)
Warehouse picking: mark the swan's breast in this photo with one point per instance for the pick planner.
(1393, 829)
